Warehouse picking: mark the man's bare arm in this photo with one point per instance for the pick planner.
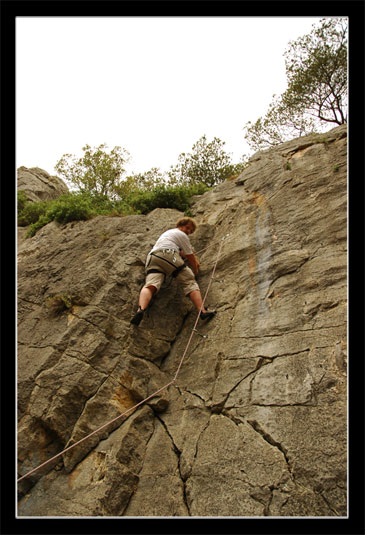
(194, 262)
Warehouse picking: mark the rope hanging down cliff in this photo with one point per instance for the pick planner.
(151, 395)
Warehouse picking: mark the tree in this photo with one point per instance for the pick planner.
(146, 181)
(279, 124)
(316, 70)
(97, 171)
(207, 164)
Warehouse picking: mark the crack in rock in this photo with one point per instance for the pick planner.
(178, 454)
(270, 440)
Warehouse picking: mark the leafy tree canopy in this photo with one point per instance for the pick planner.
(316, 70)
(101, 173)
(97, 171)
(208, 164)
(146, 181)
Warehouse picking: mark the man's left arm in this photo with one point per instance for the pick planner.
(194, 262)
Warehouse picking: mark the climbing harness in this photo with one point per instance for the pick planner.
(174, 274)
(176, 270)
(194, 330)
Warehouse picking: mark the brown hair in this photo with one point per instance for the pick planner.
(185, 220)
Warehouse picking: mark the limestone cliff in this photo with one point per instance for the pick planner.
(255, 424)
(38, 185)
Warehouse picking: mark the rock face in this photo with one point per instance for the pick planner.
(255, 423)
(38, 185)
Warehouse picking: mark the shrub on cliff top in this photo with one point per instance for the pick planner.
(29, 212)
(66, 208)
(85, 205)
(165, 196)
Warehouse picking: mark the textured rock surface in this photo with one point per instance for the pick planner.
(38, 185)
(255, 424)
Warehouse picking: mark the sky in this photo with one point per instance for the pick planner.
(151, 85)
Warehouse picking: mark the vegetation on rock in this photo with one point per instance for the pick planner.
(101, 188)
(316, 96)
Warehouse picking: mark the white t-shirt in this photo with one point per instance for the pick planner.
(174, 239)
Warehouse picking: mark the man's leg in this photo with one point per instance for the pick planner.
(197, 300)
(191, 289)
(145, 296)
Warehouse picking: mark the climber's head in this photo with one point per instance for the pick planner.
(187, 225)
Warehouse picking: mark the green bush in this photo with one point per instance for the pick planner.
(22, 200)
(165, 196)
(30, 212)
(42, 221)
(70, 207)
(85, 205)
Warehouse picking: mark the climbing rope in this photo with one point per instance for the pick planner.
(151, 395)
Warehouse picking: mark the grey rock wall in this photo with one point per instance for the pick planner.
(256, 422)
(38, 185)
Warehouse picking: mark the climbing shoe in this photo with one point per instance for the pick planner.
(137, 318)
(207, 315)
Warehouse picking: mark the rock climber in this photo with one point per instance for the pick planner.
(167, 258)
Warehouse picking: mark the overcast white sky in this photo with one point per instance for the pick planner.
(152, 85)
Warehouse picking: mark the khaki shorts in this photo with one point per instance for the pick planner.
(186, 276)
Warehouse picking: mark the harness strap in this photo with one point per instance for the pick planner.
(154, 271)
(173, 274)
(177, 270)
